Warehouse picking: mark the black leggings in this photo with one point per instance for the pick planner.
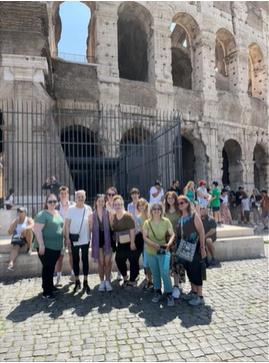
(84, 257)
(48, 261)
(125, 253)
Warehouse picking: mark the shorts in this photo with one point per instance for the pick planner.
(213, 240)
(265, 213)
(215, 209)
(20, 242)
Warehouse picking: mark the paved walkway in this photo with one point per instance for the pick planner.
(126, 326)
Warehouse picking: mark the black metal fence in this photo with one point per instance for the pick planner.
(89, 148)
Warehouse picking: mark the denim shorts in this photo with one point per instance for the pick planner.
(215, 209)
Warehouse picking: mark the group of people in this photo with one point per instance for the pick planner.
(152, 229)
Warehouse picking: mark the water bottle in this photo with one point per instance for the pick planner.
(166, 261)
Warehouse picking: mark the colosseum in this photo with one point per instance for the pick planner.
(166, 90)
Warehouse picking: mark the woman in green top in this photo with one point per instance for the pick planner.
(49, 242)
(154, 234)
(177, 270)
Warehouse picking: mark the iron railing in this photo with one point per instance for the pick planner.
(78, 58)
(90, 149)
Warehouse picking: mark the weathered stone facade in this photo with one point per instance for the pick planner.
(213, 68)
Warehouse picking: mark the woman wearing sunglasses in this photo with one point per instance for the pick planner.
(193, 230)
(48, 230)
(154, 234)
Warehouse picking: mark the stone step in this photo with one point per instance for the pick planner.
(239, 248)
(225, 230)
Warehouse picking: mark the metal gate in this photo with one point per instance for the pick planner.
(86, 148)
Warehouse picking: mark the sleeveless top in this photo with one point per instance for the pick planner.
(20, 227)
(190, 232)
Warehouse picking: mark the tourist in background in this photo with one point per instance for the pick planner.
(232, 205)
(210, 228)
(265, 207)
(245, 209)
(177, 270)
(157, 247)
(202, 194)
(175, 188)
(189, 191)
(193, 230)
(225, 214)
(214, 201)
(101, 241)
(48, 241)
(77, 222)
(156, 192)
(255, 200)
(9, 199)
(52, 185)
(131, 208)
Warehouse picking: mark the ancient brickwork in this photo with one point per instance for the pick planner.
(211, 66)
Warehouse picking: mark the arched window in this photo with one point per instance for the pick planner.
(184, 30)
(224, 50)
(73, 31)
(256, 73)
(134, 33)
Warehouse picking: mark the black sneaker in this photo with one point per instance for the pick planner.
(28, 251)
(86, 287)
(55, 290)
(50, 297)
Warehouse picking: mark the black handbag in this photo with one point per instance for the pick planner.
(74, 237)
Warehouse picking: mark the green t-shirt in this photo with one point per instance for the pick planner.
(159, 231)
(52, 231)
(215, 202)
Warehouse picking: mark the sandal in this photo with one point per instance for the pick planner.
(148, 286)
(128, 286)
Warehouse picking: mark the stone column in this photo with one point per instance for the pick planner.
(106, 19)
(204, 73)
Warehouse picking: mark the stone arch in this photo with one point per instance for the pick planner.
(134, 38)
(256, 72)
(232, 166)
(193, 159)
(225, 47)
(184, 33)
(79, 145)
(136, 168)
(56, 29)
(260, 166)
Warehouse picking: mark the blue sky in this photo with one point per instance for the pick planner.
(75, 18)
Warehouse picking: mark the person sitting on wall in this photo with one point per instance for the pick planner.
(9, 199)
(210, 227)
(156, 193)
(21, 230)
(53, 185)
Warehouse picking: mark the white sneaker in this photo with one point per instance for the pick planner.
(102, 286)
(119, 277)
(108, 286)
(72, 278)
(176, 292)
(58, 281)
(180, 286)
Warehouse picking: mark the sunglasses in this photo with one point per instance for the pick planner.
(180, 203)
(52, 201)
(156, 209)
(111, 194)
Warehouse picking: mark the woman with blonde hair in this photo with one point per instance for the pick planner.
(189, 191)
(177, 270)
(142, 208)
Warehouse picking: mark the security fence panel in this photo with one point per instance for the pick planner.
(89, 147)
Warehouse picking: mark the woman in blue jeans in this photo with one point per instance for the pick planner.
(154, 234)
(49, 243)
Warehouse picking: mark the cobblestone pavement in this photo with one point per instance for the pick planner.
(126, 326)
